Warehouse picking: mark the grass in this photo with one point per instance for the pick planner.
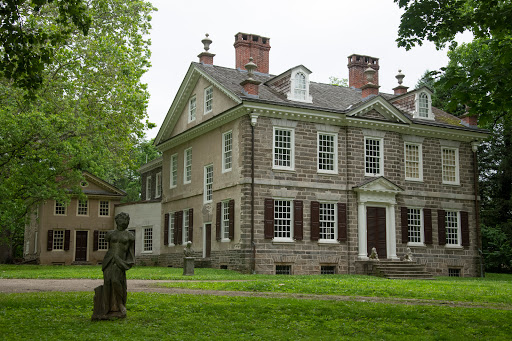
(60, 316)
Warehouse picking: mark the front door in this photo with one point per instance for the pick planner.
(81, 246)
(376, 230)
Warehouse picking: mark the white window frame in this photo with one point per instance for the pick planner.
(158, 185)
(335, 222)
(335, 153)
(458, 227)
(184, 232)
(292, 95)
(291, 167)
(102, 243)
(276, 218)
(227, 151)
(420, 161)
(422, 227)
(60, 205)
(101, 209)
(381, 156)
(192, 109)
(173, 171)
(148, 188)
(78, 206)
(147, 243)
(187, 168)
(443, 165)
(58, 241)
(418, 97)
(208, 184)
(225, 221)
(299, 86)
(171, 228)
(208, 100)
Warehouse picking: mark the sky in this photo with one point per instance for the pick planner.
(318, 34)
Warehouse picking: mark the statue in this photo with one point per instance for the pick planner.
(188, 260)
(408, 255)
(374, 255)
(110, 298)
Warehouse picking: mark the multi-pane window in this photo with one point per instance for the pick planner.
(83, 206)
(158, 184)
(423, 105)
(225, 220)
(227, 151)
(283, 219)
(327, 269)
(452, 228)
(300, 86)
(60, 208)
(373, 156)
(102, 242)
(283, 148)
(148, 239)
(192, 109)
(414, 223)
(174, 171)
(450, 159)
(148, 188)
(208, 99)
(208, 183)
(185, 227)
(327, 155)
(104, 208)
(327, 221)
(283, 269)
(58, 239)
(413, 162)
(171, 228)
(187, 166)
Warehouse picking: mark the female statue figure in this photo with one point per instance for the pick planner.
(110, 298)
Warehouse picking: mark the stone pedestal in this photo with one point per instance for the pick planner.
(188, 266)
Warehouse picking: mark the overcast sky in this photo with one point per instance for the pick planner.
(319, 34)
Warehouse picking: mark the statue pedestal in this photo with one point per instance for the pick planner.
(188, 266)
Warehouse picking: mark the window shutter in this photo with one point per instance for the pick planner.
(166, 229)
(464, 227)
(427, 225)
(178, 226)
(96, 240)
(315, 220)
(269, 219)
(298, 220)
(405, 225)
(231, 219)
(49, 243)
(67, 237)
(441, 226)
(342, 222)
(191, 225)
(218, 221)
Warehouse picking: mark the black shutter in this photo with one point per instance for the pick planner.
(405, 225)
(67, 238)
(179, 228)
(191, 225)
(464, 227)
(218, 222)
(96, 240)
(231, 219)
(49, 243)
(315, 220)
(166, 229)
(441, 226)
(298, 220)
(269, 219)
(427, 224)
(342, 222)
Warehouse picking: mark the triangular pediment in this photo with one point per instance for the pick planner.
(378, 108)
(95, 186)
(380, 184)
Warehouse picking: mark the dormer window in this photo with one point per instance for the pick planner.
(300, 86)
(423, 106)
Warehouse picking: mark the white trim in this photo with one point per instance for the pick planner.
(206, 90)
(207, 190)
(185, 152)
(55, 209)
(223, 229)
(158, 184)
(381, 156)
(74, 245)
(87, 207)
(457, 168)
(422, 227)
(148, 188)
(284, 239)
(190, 118)
(291, 94)
(459, 231)
(170, 237)
(416, 113)
(292, 149)
(335, 210)
(143, 229)
(420, 161)
(99, 209)
(335, 153)
(184, 236)
(173, 163)
(224, 169)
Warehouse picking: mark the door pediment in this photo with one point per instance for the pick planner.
(380, 190)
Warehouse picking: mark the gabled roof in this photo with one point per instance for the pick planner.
(106, 188)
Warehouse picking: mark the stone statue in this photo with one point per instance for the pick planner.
(188, 250)
(188, 260)
(110, 298)
(408, 255)
(374, 255)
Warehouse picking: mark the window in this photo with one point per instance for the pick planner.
(225, 220)
(415, 224)
(82, 207)
(185, 227)
(187, 166)
(423, 105)
(208, 100)
(171, 228)
(227, 151)
(104, 208)
(452, 272)
(327, 270)
(413, 162)
(283, 269)
(174, 171)
(283, 151)
(208, 183)
(452, 224)
(300, 86)
(102, 242)
(327, 153)
(450, 160)
(192, 109)
(58, 239)
(148, 188)
(148, 239)
(283, 219)
(60, 208)
(158, 184)
(328, 230)
(374, 160)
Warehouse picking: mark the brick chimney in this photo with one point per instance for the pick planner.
(357, 64)
(206, 57)
(469, 120)
(252, 45)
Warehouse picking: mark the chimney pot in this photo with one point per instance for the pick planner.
(252, 45)
(357, 65)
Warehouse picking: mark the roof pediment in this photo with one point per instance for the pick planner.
(97, 186)
(386, 110)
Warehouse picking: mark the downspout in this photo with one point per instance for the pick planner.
(474, 147)
(346, 195)
(254, 119)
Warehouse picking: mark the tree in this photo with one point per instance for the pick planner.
(338, 81)
(87, 114)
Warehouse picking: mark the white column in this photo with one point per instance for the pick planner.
(391, 232)
(361, 230)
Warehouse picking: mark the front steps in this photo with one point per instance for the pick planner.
(393, 269)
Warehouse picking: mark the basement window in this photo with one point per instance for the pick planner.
(283, 269)
(327, 270)
(453, 272)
